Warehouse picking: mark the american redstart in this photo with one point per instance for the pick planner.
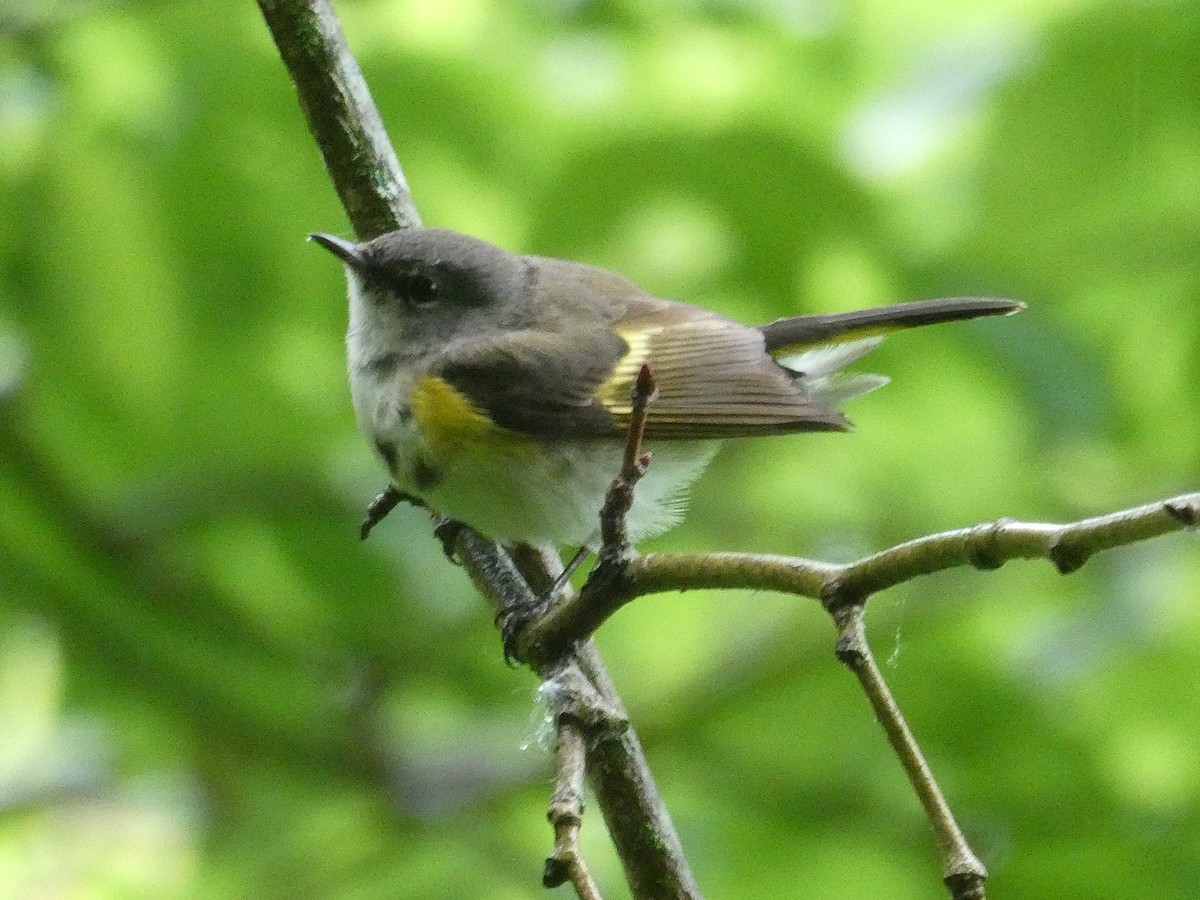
(496, 387)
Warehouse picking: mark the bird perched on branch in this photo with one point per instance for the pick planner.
(496, 387)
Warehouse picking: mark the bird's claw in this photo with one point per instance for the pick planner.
(447, 531)
(512, 621)
(382, 505)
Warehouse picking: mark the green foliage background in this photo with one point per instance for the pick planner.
(209, 688)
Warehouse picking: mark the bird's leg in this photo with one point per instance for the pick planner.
(538, 565)
(512, 621)
(447, 531)
(572, 567)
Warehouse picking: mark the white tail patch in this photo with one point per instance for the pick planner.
(836, 389)
(821, 368)
(825, 359)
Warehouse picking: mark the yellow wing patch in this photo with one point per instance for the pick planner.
(450, 423)
(616, 392)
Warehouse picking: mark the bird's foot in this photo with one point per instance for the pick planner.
(447, 531)
(513, 621)
(384, 503)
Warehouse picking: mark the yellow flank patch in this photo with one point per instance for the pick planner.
(617, 391)
(450, 423)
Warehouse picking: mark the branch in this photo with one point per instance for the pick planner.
(962, 871)
(581, 716)
(560, 625)
(987, 546)
(844, 591)
(619, 500)
(637, 820)
(341, 115)
(364, 168)
(566, 862)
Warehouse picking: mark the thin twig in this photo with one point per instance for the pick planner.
(638, 823)
(594, 602)
(566, 862)
(381, 507)
(581, 717)
(845, 589)
(962, 871)
(614, 534)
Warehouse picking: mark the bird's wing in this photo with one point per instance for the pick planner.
(714, 377)
(537, 382)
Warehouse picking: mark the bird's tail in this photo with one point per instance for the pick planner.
(816, 348)
(801, 332)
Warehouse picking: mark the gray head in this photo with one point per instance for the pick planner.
(426, 284)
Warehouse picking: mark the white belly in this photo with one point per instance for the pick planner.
(554, 495)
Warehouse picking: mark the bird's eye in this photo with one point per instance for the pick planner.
(417, 289)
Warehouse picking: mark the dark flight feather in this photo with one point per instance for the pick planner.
(805, 331)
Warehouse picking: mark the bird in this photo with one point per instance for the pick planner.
(495, 387)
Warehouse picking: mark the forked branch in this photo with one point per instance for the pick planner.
(988, 546)
(359, 157)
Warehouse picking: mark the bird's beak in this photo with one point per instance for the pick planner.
(347, 251)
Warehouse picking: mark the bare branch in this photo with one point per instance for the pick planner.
(562, 624)
(618, 501)
(581, 716)
(637, 820)
(962, 871)
(989, 546)
(985, 546)
(341, 115)
(381, 507)
(343, 118)
(844, 591)
(566, 862)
